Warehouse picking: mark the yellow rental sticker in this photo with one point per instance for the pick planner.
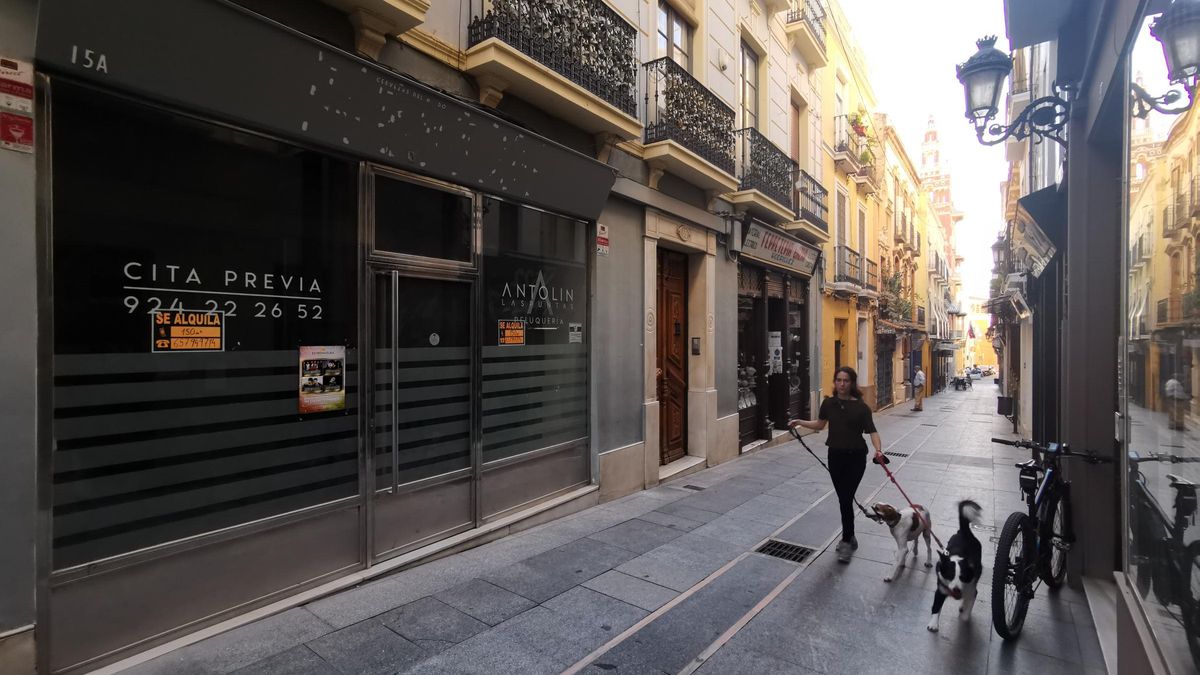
(187, 330)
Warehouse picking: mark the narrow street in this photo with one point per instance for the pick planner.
(666, 581)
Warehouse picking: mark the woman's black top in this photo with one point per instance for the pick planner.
(848, 420)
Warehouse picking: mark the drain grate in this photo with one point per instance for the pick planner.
(697, 488)
(893, 453)
(782, 549)
(927, 424)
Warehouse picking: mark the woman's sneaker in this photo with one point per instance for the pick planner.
(844, 550)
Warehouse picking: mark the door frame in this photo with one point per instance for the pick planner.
(700, 244)
(373, 261)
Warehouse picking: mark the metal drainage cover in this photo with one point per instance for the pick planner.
(782, 549)
(697, 488)
(927, 424)
(892, 453)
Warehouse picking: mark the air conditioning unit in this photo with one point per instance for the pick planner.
(1015, 283)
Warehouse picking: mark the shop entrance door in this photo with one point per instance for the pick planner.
(672, 355)
(422, 431)
(884, 353)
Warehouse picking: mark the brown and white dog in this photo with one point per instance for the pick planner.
(906, 527)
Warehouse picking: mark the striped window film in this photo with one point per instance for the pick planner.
(423, 387)
(152, 449)
(533, 398)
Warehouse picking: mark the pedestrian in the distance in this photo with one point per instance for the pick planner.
(919, 388)
(848, 419)
(1177, 400)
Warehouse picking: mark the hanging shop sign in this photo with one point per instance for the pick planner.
(778, 249)
(322, 379)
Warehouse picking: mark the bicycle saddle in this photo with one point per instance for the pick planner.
(1027, 464)
(1177, 481)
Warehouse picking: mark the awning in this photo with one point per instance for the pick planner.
(218, 59)
(1041, 221)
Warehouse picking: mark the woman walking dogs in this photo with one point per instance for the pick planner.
(848, 419)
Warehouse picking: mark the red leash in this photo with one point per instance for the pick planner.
(928, 525)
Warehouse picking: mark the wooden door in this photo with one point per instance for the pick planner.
(672, 355)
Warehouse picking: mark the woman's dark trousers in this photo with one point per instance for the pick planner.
(847, 468)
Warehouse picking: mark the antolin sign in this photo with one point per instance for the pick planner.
(778, 249)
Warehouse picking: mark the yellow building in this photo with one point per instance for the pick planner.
(1163, 227)
(904, 216)
(853, 167)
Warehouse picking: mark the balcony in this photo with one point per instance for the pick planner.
(1170, 222)
(871, 280)
(575, 60)
(810, 198)
(765, 175)
(689, 131)
(806, 29)
(1196, 196)
(869, 177)
(920, 315)
(848, 146)
(1183, 210)
(848, 273)
(1163, 312)
(384, 17)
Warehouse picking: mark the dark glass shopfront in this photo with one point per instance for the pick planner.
(774, 322)
(233, 314)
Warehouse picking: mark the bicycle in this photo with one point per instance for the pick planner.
(1032, 548)
(1164, 561)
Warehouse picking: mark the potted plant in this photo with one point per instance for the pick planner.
(858, 123)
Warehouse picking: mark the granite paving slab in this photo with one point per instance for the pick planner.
(484, 601)
(367, 648)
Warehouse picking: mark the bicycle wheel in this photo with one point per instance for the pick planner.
(1191, 604)
(1011, 578)
(1052, 564)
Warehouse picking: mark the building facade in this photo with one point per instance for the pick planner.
(383, 279)
(1119, 346)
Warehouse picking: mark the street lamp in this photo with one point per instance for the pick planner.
(982, 77)
(1178, 29)
(999, 253)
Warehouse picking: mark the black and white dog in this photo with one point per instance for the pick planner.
(959, 567)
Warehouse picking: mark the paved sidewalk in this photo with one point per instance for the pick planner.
(665, 580)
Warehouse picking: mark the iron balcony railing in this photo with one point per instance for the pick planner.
(811, 200)
(872, 280)
(764, 167)
(811, 13)
(680, 109)
(849, 266)
(1196, 196)
(1170, 223)
(1182, 210)
(585, 41)
(846, 139)
(1162, 311)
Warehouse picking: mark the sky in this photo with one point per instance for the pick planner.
(911, 49)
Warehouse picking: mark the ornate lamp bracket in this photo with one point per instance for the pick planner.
(1142, 102)
(1045, 117)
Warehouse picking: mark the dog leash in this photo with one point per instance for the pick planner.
(796, 435)
(928, 525)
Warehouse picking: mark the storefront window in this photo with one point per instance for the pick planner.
(1159, 369)
(193, 265)
(535, 333)
(418, 219)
